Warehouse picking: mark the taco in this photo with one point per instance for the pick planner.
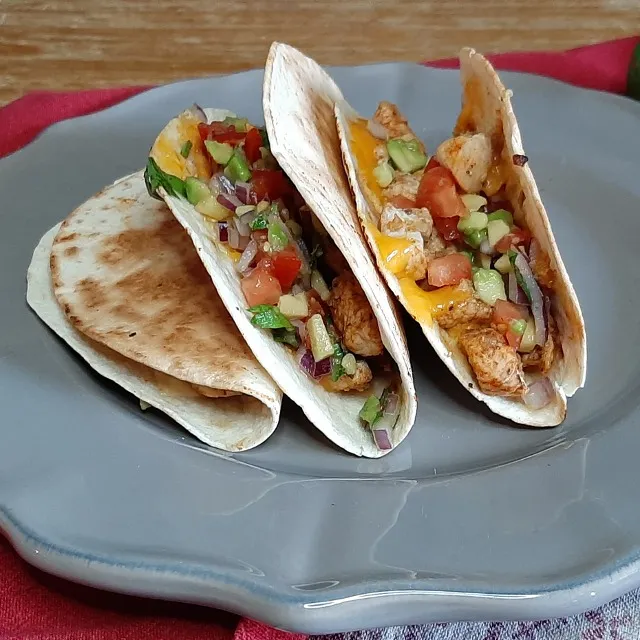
(463, 240)
(289, 274)
(120, 282)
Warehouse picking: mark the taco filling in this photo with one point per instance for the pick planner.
(448, 230)
(296, 283)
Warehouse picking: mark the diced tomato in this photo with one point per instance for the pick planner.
(220, 133)
(516, 237)
(449, 269)
(402, 202)
(504, 313)
(269, 184)
(432, 164)
(448, 228)
(261, 287)
(437, 192)
(286, 266)
(252, 144)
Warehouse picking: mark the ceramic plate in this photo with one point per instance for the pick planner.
(470, 519)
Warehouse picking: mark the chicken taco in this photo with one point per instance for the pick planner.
(120, 282)
(331, 342)
(463, 239)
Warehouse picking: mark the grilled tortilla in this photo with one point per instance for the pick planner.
(120, 282)
(477, 332)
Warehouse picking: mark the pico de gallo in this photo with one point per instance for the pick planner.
(296, 283)
(447, 229)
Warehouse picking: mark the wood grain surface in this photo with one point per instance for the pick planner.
(74, 44)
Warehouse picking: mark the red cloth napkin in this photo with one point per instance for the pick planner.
(34, 605)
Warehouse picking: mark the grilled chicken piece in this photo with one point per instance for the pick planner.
(353, 317)
(497, 366)
(389, 116)
(399, 222)
(359, 381)
(471, 310)
(468, 157)
(405, 185)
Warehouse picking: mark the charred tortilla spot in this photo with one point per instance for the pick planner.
(520, 160)
(71, 251)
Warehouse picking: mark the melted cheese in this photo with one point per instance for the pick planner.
(167, 147)
(363, 146)
(425, 305)
(395, 252)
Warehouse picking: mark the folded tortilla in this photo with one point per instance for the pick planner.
(120, 282)
(335, 414)
(486, 109)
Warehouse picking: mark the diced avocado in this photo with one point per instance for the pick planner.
(237, 169)
(277, 236)
(518, 326)
(528, 342)
(211, 208)
(294, 306)
(474, 238)
(196, 190)
(474, 221)
(406, 155)
(371, 410)
(501, 214)
(349, 364)
(318, 283)
(221, 152)
(473, 202)
(383, 174)
(321, 343)
(496, 230)
(489, 285)
(503, 264)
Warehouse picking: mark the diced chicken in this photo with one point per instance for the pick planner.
(399, 222)
(359, 381)
(468, 157)
(436, 247)
(389, 116)
(471, 310)
(541, 358)
(353, 317)
(496, 365)
(404, 184)
(541, 266)
(381, 153)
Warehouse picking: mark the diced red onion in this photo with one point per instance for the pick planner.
(315, 369)
(197, 111)
(391, 408)
(382, 439)
(221, 184)
(303, 254)
(236, 241)
(516, 294)
(242, 223)
(296, 289)
(536, 298)
(243, 191)
(223, 231)
(540, 394)
(534, 250)
(247, 256)
(229, 200)
(376, 130)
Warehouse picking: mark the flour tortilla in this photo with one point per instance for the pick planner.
(120, 282)
(489, 110)
(335, 414)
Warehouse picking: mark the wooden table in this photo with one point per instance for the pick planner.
(73, 44)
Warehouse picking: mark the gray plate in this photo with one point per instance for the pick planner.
(470, 519)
